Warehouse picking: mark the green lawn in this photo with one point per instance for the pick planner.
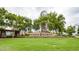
(39, 44)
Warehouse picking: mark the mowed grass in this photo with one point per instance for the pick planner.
(39, 44)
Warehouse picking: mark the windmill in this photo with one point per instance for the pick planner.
(44, 27)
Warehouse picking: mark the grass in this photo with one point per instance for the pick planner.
(39, 44)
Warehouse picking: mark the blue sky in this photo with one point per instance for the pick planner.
(71, 13)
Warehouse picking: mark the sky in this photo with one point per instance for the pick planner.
(71, 14)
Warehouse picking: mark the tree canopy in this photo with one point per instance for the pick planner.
(13, 20)
(50, 21)
(70, 30)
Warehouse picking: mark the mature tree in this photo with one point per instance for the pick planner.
(70, 30)
(3, 12)
(28, 24)
(56, 22)
(78, 30)
(15, 21)
(36, 25)
(52, 17)
(18, 21)
(61, 23)
(10, 19)
(50, 21)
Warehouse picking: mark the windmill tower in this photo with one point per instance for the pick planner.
(44, 27)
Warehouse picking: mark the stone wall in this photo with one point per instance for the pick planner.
(41, 34)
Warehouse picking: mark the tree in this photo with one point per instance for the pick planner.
(36, 25)
(3, 12)
(50, 21)
(70, 30)
(61, 23)
(28, 24)
(56, 22)
(18, 21)
(10, 19)
(13, 20)
(78, 30)
(52, 16)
